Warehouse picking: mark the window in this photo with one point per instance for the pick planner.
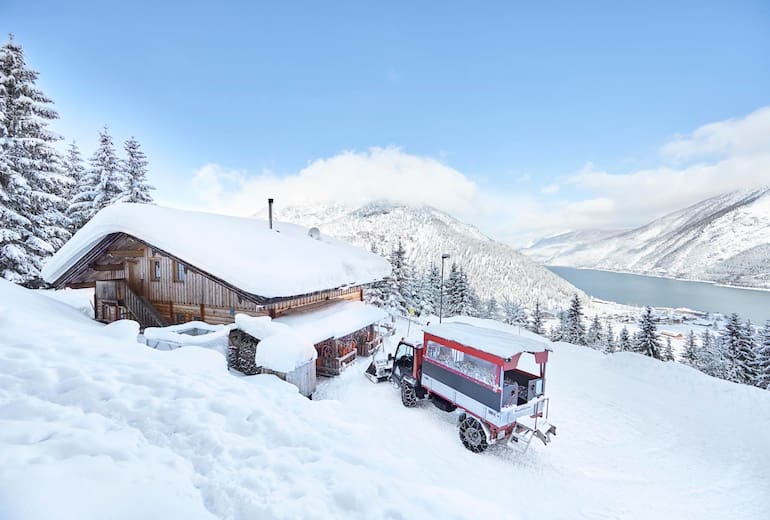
(180, 272)
(155, 266)
(467, 364)
(180, 318)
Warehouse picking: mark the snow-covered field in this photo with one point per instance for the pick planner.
(95, 425)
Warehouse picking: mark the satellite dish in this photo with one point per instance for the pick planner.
(314, 233)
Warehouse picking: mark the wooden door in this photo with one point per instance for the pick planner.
(135, 280)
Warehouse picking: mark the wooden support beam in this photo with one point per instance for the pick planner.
(126, 253)
(106, 267)
(82, 285)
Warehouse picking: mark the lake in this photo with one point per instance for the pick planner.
(634, 289)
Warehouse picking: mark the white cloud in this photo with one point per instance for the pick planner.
(722, 156)
(734, 137)
(349, 177)
(550, 189)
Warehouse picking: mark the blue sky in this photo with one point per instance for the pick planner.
(515, 96)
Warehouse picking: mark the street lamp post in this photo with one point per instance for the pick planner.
(444, 256)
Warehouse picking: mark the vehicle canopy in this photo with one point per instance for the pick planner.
(489, 340)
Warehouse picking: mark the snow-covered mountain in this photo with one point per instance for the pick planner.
(724, 239)
(493, 268)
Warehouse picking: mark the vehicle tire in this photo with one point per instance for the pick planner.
(472, 435)
(408, 395)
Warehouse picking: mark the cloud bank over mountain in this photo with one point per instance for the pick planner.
(714, 158)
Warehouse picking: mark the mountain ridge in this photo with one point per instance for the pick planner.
(493, 268)
(721, 239)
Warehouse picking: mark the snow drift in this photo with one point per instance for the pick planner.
(95, 426)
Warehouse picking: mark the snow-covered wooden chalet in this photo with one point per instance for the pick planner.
(161, 266)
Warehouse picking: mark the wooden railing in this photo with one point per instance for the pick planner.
(142, 310)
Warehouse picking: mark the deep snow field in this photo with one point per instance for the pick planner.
(95, 425)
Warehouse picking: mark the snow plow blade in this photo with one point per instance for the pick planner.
(378, 371)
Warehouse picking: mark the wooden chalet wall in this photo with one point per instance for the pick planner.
(180, 297)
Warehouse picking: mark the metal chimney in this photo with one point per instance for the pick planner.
(270, 212)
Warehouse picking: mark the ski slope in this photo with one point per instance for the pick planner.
(94, 425)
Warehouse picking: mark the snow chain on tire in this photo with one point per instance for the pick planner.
(472, 435)
(408, 395)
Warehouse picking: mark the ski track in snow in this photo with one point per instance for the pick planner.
(100, 426)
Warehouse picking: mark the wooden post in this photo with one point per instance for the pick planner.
(203, 312)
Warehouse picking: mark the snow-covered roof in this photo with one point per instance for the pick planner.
(334, 320)
(488, 336)
(243, 252)
(280, 348)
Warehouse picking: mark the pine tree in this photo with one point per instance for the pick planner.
(492, 309)
(466, 300)
(624, 341)
(536, 325)
(136, 188)
(433, 288)
(737, 343)
(711, 358)
(32, 187)
(595, 334)
(690, 354)
(451, 290)
(609, 339)
(575, 331)
(74, 171)
(647, 341)
(105, 167)
(668, 351)
(762, 363)
(513, 313)
(399, 288)
(748, 353)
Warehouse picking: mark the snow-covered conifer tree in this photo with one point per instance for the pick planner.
(610, 345)
(513, 313)
(558, 330)
(668, 351)
(433, 288)
(711, 356)
(536, 324)
(738, 349)
(647, 341)
(466, 300)
(492, 309)
(762, 362)
(624, 341)
(575, 331)
(690, 354)
(136, 188)
(32, 188)
(105, 166)
(595, 334)
(399, 284)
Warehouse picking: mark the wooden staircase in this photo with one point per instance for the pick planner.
(142, 310)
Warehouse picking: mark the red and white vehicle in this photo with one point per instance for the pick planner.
(497, 379)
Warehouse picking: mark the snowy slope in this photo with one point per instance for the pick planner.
(95, 426)
(493, 268)
(723, 239)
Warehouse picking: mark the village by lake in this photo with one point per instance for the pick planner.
(633, 289)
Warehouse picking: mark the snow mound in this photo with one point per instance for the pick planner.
(192, 333)
(278, 262)
(280, 348)
(125, 330)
